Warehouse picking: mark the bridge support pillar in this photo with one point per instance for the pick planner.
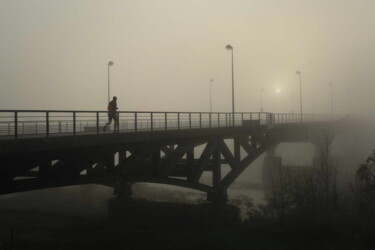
(5, 180)
(220, 197)
(109, 162)
(270, 172)
(123, 190)
(44, 168)
(121, 156)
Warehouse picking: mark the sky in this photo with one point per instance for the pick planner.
(54, 55)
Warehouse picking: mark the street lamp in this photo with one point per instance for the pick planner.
(229, 47)
(331, 87)
(211, 81)
(110, 63)
(300, 90)
(261, 99)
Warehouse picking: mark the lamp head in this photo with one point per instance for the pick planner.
(110, 63)
(298, 72)
(229, 47)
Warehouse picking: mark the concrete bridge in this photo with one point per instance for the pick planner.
(46, 148)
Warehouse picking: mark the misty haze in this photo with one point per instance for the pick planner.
(200, 124)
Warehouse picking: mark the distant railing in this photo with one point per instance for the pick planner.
(16, 124)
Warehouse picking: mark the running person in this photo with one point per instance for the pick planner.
(112, 114)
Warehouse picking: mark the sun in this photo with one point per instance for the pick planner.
(278, 90)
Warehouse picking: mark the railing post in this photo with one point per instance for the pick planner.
(209, 119)
(166, 120)
(226, 119)
(152, 125)
(135, 122)
(97, 123)
(117, 122)
(15, 125)
(200, 120)
(59, 127)
(47, 124)
(218, 120)
(190, 120)
(74, 123)
(178, 120)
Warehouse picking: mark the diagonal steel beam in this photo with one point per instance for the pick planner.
(204, 158)
(246, 146)
(166, 150)
(232, 175)
(172, 159)
(137, 155)
(233, 163)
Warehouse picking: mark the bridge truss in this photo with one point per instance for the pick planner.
(172, 148)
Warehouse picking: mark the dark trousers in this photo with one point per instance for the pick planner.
(110, 118)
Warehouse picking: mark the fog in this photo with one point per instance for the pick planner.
(54, 54)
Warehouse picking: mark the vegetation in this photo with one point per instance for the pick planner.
(306, 206)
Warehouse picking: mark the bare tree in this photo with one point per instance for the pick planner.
(326, 169)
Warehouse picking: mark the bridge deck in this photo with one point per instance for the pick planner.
(26, 124)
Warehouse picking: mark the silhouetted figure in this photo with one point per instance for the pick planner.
(112, 114)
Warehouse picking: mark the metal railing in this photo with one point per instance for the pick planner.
(16, 124)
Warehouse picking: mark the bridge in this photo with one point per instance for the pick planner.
(49, 148)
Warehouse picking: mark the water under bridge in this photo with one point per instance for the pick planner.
(48, 148)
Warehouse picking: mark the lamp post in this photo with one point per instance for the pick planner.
(229, 47)
(211, 81)
(110, 63)
(331, 87)
(292, 103)
(300, 90)
(261, 99)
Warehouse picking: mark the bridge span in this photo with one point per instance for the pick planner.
(48, 148)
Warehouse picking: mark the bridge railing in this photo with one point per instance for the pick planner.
(46, 123)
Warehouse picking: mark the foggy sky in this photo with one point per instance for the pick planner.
(54, 54)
